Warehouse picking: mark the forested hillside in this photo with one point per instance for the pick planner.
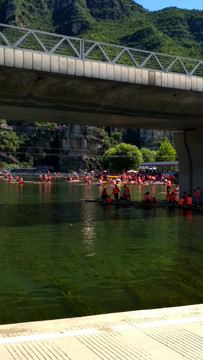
(125, 22)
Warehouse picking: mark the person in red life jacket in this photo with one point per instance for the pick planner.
(116, 191)
(10, 178)
(154, 200)
(181, 201)
(144, 197)
(198, 191)
(176, 193)
(6, 175)
(177, 188)
(172, 198)
(168, 185)
(40, 177)
(147, 198)
(127, 191)
(109, 200)
(21, 180)
(16, 178)
(196, 195)
(189, 200)
(49, 178)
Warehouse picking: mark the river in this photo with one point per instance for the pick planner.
(60, 257)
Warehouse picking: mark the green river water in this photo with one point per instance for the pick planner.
(60, 257)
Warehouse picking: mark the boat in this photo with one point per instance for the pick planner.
(140, 204)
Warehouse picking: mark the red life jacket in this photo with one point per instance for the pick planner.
(115, 190)
(181, 201)
(189, 200)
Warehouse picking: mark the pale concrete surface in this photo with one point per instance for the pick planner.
(61, 89)
(160, 334)
(27, 59)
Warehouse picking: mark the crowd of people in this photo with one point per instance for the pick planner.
(137, 177)
(126, 179)
(188, 199)
(172, 197)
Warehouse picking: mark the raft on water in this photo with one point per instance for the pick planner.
(124, 203)
(139, 204)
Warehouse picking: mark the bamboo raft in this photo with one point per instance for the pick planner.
(138, 204)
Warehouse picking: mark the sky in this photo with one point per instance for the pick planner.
(153, 5)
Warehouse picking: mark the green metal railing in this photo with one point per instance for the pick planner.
(49, 43)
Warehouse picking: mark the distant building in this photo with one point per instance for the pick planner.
(160, 166)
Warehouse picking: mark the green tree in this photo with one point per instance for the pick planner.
(113, 138)
(122, 156)
(147, 154)
(165, 152)
(9, 141)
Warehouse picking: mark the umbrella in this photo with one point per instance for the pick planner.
(131, 171)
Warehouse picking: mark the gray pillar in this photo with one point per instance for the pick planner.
(189, 146)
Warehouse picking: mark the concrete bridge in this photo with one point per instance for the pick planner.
(74, 86)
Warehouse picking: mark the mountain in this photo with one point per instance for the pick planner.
(123, 22)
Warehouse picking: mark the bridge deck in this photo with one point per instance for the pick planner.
(161, 334)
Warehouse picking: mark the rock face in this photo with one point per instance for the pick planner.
(80, 147)
(145, 138)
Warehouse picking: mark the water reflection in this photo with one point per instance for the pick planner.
(60, 257)
(88, 228)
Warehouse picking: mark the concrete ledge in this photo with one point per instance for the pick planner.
(28, 60)
(25, 59)
(46, 62)
(9, 57)
(71, 63)
(160, 334)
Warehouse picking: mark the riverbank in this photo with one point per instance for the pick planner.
(168, 333)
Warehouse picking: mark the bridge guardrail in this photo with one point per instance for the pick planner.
(50, 43)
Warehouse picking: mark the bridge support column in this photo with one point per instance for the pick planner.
(189, 146)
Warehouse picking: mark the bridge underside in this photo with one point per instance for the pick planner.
(41, 96)
(30, 95)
